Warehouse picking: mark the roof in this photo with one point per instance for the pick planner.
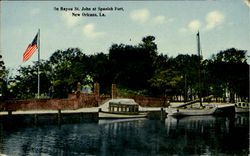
(123, 101)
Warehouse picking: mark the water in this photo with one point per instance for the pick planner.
(200, 135)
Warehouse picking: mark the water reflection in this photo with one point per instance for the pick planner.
(198, 135)
(208, 135)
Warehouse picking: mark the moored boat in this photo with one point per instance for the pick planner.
(190, 111)
(190, 108)
(121, 109)
(241, 107)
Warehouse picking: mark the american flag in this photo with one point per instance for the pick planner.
(30, 49)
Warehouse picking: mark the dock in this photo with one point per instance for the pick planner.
(49, 116)
(59, 116)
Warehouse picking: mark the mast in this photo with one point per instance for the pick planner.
(185, 77)
(38, 72)
(199, 66)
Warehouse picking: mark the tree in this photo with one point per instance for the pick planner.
(3, 82)
(229, 71)
(68, 68)
(99, 67)
(150, 46)
(25, 84)
(59, 75)
(187, 67)
(165, 81)
(132, 66)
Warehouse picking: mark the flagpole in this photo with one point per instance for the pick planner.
(199, 69)
(38, 75)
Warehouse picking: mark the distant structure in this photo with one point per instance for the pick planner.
(96, 89)
(86, 89)
(78, 88)
(114, 91)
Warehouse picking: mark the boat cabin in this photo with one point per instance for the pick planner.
(123, 106)
(242, 104)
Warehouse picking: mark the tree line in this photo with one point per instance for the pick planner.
(136, 69)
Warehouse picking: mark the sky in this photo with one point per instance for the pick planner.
(222, 25)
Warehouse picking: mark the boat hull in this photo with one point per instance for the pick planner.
(241, 109)
(190, 112)
(108, 115)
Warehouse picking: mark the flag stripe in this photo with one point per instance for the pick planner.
(30, 49)
(29, 52)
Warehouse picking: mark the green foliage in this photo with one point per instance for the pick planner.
(24, 85)
(69, 67)
(136, 69)
(231, 56)
(99, 68)
(229, 71)
(128, 92)
(188, 67)
(131, 66)
(3, 83)
(165, 81)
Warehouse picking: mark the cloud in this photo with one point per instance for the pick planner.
(194, 25)
(89, 31)
(69, 19)
(159, 19)
(140, 15)
(247, 2)
(34, 11)
(213, 19)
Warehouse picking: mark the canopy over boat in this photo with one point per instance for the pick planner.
(123, 102)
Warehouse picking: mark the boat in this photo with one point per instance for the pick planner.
(120, 109)
(192, 108)
(242, 107)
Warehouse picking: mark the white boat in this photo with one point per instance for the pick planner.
(241, 107)
(120, 109)
(190, 108)
(184, 111)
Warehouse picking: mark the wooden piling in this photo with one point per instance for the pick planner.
(59, 115)
(35, 119)
(9, 113)
(162, 114)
